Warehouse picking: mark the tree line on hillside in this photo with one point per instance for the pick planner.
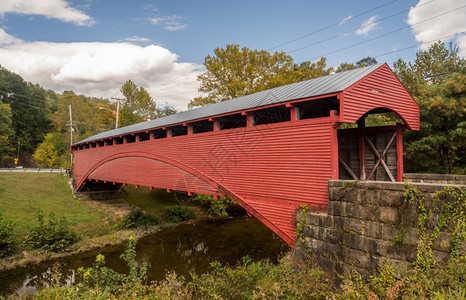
(39, 118)
(35, 123)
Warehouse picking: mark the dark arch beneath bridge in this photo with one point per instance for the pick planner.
(221, 190)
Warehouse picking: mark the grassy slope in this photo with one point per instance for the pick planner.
(21, 194)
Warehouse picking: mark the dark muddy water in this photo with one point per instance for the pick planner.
(182, 249)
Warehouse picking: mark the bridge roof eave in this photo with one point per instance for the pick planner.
(313, 88)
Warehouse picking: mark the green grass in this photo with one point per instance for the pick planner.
(21, 194)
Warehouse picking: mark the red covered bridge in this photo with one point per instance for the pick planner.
(270, 151)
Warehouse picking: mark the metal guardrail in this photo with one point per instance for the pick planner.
(32, 170)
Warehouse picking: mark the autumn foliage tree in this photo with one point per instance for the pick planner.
(233, 72)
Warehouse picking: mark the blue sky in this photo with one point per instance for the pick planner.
(94, 46)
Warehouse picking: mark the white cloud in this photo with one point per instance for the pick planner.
(462, 42)
(367, 26)
(100, 69)
(345, 19)
(136, 39)
(52, 9)
(442, 26)
(7, 39)
(170, 23)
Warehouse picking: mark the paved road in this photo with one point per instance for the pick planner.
(34, 170)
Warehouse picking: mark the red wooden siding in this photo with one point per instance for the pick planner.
(380, 89)
(271, 168)
(268, 169)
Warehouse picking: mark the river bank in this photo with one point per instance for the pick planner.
(94, 221)
(185, 248)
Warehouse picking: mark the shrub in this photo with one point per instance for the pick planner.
(55, 235)
(177, 214)
(98, 277)
(7, 237)
(215, 207)
(137, 218)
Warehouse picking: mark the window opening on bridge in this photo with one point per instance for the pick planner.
(179, 130)
(158, 134)
(143, 136)
(108, 142)
(100, 144)
(270, 115)
(202, 126)
(86, 146)
(130, 139)
(119, 140)
(232, 121)
(318, 108)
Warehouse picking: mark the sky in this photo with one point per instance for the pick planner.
(93, 47)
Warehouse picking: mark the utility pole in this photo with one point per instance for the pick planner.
(118, 110)
(71, 136)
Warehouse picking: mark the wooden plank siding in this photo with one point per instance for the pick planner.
(269, 169)
(272, 168)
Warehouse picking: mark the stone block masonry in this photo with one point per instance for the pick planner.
(366, 222)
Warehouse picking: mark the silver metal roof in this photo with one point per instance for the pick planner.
(314, 87)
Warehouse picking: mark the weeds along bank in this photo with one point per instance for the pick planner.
(259, 280)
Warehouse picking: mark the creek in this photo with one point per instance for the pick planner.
(187, 247)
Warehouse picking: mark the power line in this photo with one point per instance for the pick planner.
(413, 46)
(333, 25)
(24, 96)
(379, 36)
(181, 80)
(22, 103)
(172, 87)
(355, 29)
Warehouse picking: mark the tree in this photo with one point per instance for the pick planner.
(233, 72)
(365, 62)
(138, 106)
(6, 131)
(52, 152)
(88, 119)
(436, 80)
(165, 111)
(308, 70)
(29, 105)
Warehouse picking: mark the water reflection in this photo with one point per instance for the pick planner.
(188, 247)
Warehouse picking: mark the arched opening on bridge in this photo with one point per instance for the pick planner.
(373, 152)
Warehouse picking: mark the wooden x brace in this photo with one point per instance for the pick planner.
(380, 157)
